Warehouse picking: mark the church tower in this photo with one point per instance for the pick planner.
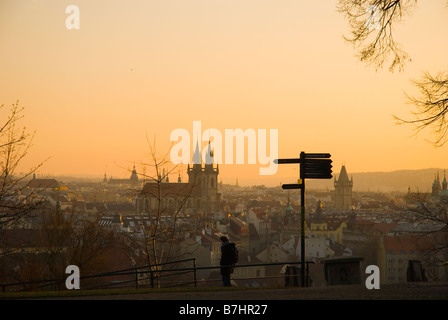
(444, 192)
(210, 183)
(436, 187)
(205, 178)
(343, 191)
(133, 179)
(195, 172)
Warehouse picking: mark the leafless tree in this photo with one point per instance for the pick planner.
(69, 240)
(15, 143)
(64, 242)
(158, 239)
(29, 270)
(56, 232)
(432, 107)
(372, 32)
(429, 217)
(372, 25)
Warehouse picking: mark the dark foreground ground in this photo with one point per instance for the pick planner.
(407, 291)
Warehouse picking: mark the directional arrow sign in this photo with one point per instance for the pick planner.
(317, 163)
(292, 186)
(292, 160)
(313, 175)
(317, 155)
(317, 167)
(312, 166)
(308, 160)
(317, 171)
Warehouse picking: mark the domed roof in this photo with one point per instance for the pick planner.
(319, 215)
(134, 177)
(435, 183)
(288, 208)
(444, 192)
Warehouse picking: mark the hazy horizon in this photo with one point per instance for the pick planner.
(385, 181)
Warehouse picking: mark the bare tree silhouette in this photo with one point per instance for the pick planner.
(164, 205)
(372, 25)
(429, 217)
(432, 107)
(372, 32)
(70, 240)
(15, 142)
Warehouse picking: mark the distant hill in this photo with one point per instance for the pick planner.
(400, 180)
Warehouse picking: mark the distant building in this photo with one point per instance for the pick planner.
(395, 253)
(360, 231)
(436, 188)
(199, 194)
(132, 181)
(315, 247)
(320, 226)
(206, 179)
(439, 191)
(343, 191)
(59, 201)
(42, 184)
(274, 253)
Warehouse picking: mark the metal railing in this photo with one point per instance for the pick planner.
(155, 276)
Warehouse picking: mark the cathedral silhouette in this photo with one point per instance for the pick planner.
(198, 195)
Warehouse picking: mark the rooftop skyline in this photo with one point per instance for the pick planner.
(143, 69)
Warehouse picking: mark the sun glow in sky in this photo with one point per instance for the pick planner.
(140, 69)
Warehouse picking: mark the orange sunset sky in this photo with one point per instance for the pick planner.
(147, 67)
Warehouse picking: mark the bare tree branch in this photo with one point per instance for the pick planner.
(15, 202)
(168, 203)
(432, 107)
(372, 32)
(372, 25)
(430, 219)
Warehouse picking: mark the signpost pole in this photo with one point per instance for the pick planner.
(302, 220)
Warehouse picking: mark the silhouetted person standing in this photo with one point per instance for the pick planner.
(227, 260)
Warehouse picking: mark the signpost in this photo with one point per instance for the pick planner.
(312, 166)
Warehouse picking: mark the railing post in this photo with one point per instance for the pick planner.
(136, 278)
(152, 278)
(307, 274)
(194, 269)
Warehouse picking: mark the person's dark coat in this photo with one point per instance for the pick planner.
(226, 258)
